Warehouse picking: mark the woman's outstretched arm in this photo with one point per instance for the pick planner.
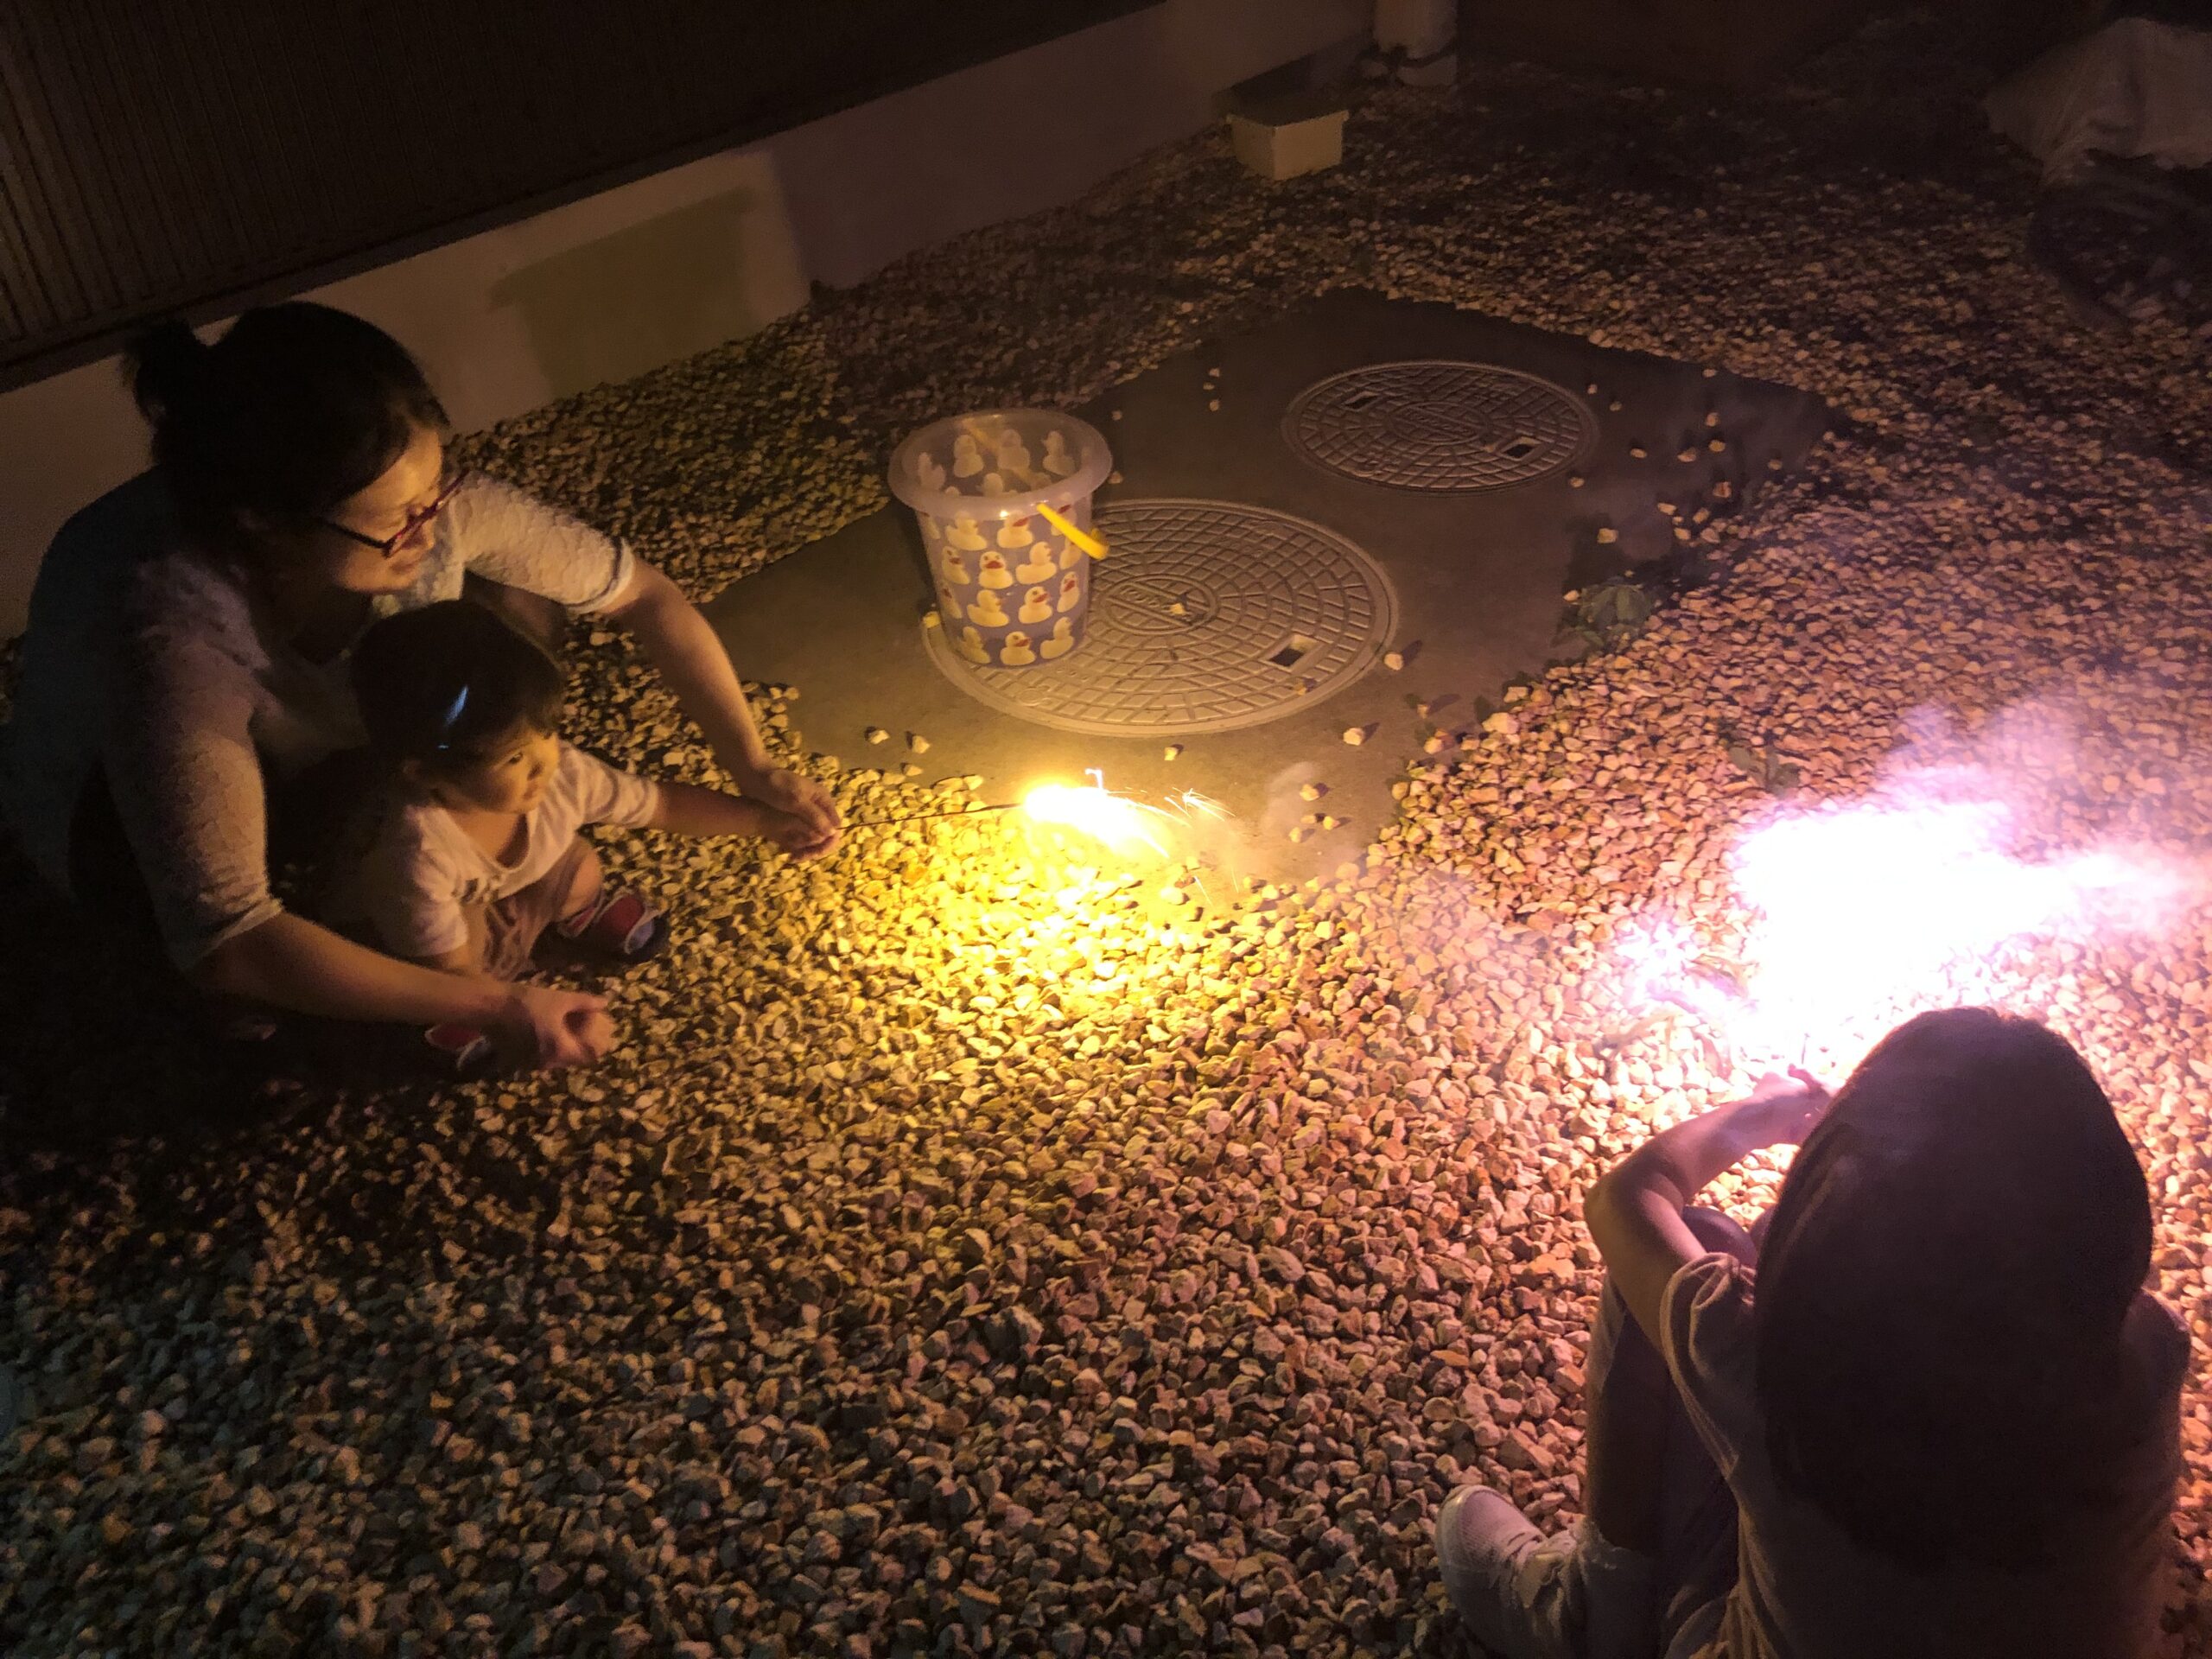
(288, 962)
(1634, 1211)
(681, 645)
(508, 536)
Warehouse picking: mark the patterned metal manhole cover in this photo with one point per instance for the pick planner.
(1206, 616)
(1439, 425)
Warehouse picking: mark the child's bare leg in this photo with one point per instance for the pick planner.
(462, 1049)
(479, 945)
(585, 880)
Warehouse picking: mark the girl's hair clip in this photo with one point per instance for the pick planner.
(446, 722)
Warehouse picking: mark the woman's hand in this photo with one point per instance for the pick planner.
(1784, 1109)
(289, 962)
(794, 835)
(679, 642)
(549, 1027)
(802, 798)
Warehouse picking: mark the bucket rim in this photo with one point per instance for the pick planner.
(1098, 461)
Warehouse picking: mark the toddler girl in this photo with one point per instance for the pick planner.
(478, 852)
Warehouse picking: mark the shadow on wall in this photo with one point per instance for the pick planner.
(616, 308)
(1029, 130)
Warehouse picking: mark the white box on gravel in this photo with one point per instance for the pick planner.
(1282, 146)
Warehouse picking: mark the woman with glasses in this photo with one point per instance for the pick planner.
(185, 668)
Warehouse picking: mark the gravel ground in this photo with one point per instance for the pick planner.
(974, 1251)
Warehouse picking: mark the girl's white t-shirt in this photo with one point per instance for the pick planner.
(423, 871)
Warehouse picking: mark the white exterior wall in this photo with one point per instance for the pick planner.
(612, 286)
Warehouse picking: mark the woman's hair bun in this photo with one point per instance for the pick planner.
(294, 408)
(166, 363)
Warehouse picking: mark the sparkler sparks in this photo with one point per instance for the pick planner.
(1125, 826)
(1861, 903)
(1860, 914)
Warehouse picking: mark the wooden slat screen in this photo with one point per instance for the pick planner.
(159, 155)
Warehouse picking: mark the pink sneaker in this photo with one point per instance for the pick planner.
(461, 1051)
(620, 923)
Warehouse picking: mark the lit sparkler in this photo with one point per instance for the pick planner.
(1121, 824)
(1124, 826)
(1863, 914)
(965, 811)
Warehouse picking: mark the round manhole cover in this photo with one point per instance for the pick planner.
(1439, 425)
(1207, 616)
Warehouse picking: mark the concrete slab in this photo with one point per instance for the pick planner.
(1478, 577)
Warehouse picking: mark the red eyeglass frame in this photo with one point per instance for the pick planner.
(390, 545)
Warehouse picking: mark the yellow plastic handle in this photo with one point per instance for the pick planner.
(1083, 538)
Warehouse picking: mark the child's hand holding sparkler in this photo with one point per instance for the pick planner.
(1635, 1208)
(1784, 1109)
(792, 795)
(695, 809)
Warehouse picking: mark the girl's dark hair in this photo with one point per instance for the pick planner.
(296, 407)
(1942, 1295)
(446, 685)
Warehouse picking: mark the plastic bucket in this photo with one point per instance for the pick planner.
(1013, 587)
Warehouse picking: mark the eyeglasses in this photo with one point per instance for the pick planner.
(388, 545)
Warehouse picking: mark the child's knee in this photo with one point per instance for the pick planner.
(584, 878)
(1719, 1232)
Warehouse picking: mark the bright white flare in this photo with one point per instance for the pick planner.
(1125, 826)
(1859, 903)
(1864, 913)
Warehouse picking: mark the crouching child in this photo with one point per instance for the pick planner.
(477, 854)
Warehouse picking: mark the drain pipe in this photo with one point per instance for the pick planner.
(1418, 40)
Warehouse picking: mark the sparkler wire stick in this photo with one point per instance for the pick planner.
(1119, 823)
(926, 817)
